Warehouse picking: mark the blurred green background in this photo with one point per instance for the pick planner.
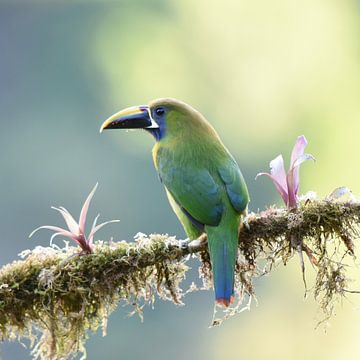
(261, 71)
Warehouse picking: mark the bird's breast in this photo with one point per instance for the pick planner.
(155, 154)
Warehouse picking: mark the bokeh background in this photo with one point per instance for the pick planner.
(261, 71)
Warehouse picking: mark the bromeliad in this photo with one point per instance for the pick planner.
(287, 184)
(202, 180)
(76, 231)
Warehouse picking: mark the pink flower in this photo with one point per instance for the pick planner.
(76, 231)
(288, 184)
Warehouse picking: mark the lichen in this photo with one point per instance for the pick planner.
(62, 295)
(54, 295)
(326, 231)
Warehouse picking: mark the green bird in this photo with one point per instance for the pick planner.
(203, 182)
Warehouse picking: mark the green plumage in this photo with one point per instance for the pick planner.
(203, 181)
(204, 185)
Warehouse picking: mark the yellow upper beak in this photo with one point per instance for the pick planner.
(135, 117)
(123, 115)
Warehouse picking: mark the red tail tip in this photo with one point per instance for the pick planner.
(225, 302)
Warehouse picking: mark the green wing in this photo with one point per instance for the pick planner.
(235, 185)
(195, 191)
(193, 231)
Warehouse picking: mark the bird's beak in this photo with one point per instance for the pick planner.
(136, 117)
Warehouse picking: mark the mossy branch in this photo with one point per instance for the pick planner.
(61, 294)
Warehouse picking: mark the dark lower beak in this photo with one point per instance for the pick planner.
(137, 117)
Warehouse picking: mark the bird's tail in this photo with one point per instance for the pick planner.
(223, 245)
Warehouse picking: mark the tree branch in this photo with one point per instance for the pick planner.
(64, 294)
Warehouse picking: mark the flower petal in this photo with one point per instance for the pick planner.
(298, 149)
(65, 234)
(53, 228)
(95, 221)
(278, 176)
(293, 175)
(293, 178)
(90, 238)
(70, 221)
(303, 158)
(84, 210)
(98, 227)
(278, 186)
(81, 241)
(277, 170)
(296, 159)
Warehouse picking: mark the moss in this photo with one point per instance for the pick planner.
(60, 295)
(325, 230)
(63, 294)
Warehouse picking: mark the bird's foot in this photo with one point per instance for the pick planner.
(184, 244)
(198, 243)
(193, 245)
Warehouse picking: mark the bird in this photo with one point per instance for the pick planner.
(202, 180)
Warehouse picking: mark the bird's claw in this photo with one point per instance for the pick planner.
(193, 245)
(184, 244)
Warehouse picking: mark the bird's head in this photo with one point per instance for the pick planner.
(160, 117)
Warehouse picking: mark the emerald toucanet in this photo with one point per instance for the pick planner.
(202, 180)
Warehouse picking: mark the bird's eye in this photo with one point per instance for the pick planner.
(159, 111)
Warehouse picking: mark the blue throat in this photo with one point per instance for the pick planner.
(158, 133)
